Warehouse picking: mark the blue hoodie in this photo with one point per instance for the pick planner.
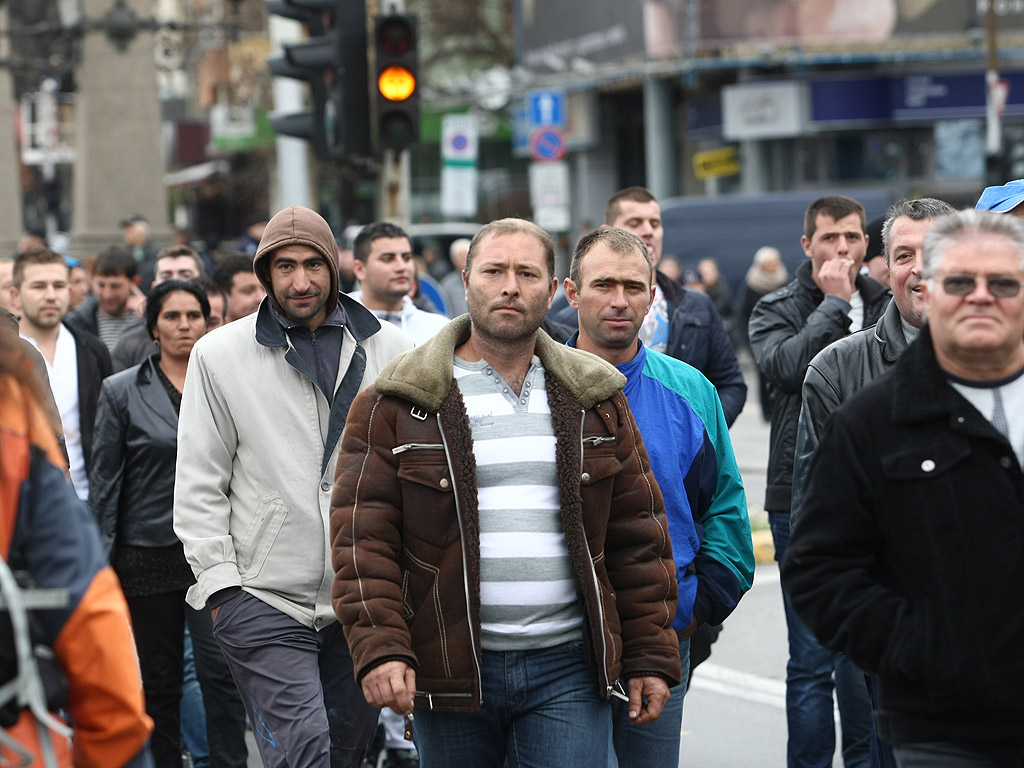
(681, 420)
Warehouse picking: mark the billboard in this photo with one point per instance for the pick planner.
(553, 34)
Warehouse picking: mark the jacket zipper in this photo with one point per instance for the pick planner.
(416, 447)
(603, 663)
(596, 441)
(465, 573)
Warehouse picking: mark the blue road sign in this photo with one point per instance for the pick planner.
(548, 144)
(546, 108)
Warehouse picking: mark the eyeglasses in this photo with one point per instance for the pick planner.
(999, 287)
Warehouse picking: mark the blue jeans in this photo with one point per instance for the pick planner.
(541, 708)
(655, 745)
(809, 684)
(193, 713)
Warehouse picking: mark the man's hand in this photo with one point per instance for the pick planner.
(834, 278)
(393, 684)
(655, 689)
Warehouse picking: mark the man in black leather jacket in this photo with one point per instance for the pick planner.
(845, 366)
(788, 327)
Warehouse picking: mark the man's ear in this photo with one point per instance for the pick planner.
(571, 293)
(359, 269)
(136, 280)
(805, 243)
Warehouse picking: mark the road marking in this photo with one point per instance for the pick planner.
(740, 685)
(743, 685)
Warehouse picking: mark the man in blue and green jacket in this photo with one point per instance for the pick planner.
(611, 284)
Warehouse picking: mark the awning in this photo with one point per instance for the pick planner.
(194, 174)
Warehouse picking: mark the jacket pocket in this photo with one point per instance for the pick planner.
(925, 462)
(428, 500)
(599, 459)
(260, 535)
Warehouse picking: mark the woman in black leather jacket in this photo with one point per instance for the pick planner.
(131, 483)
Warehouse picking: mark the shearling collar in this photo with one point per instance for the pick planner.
(424, 375)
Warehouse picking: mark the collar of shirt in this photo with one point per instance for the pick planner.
(336, 318)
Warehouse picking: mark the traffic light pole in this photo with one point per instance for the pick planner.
(396, 107)
(10, 194)
(395, 188)
(293, 182)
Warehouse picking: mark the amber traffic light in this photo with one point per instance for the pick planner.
(397, 97)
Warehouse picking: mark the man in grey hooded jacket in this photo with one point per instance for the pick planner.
(261, 420)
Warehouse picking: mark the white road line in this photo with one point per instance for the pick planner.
(740, 685)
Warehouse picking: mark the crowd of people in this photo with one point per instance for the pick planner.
(383, 536)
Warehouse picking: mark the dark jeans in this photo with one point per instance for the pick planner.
(225, 714)
(297, 685)
(809, 684)
(158, 622)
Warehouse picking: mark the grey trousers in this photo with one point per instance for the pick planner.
(297, 686)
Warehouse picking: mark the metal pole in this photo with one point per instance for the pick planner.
(293, 183)
(993, 133)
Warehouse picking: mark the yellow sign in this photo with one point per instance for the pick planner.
(716, 162)
(396, 83)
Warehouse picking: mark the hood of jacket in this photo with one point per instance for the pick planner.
(297, 225)
(424, 375)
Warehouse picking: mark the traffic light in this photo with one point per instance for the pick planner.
(396, 84)
(332, 59)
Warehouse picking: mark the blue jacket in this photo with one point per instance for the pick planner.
(680, 416)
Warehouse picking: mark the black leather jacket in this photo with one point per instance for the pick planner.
(787, 329)
(131, 479)
(835, 373)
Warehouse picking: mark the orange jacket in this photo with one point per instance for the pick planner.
(56, 538)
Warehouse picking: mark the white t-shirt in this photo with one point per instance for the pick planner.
(63, 375)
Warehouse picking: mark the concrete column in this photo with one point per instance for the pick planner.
(660, 154)
(10, 192)
(119, 165)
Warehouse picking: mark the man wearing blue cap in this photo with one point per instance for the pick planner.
(1008, 198)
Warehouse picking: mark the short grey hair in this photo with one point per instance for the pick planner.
(965, 226)
(461, 244)
(915, 210)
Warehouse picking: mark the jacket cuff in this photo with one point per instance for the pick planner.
(221, 596)
(840, 302)
(384, 660)
(703, 604)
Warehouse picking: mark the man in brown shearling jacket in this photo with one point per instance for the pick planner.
(500, 545)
